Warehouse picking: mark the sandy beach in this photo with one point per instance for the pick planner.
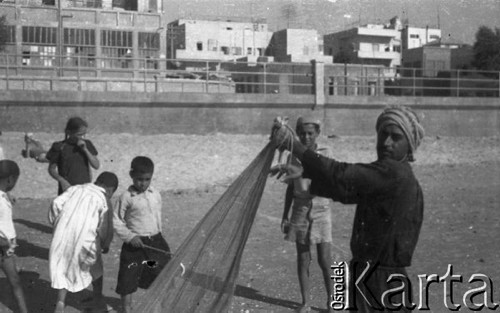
(185, 162)
(459, 177)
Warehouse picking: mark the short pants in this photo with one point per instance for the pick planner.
(139, 267)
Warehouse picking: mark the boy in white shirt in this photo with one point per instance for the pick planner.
(137, 221)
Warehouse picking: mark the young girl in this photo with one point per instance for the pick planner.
(310, 221)
(70, 159)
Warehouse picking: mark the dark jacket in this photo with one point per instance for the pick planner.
(389, 202)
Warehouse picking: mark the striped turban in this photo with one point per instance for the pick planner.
(408, 121)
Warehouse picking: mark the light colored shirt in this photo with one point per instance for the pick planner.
(7, 229)
(80, 217)
(137, 214)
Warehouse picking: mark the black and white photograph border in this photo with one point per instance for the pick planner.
(202, 140)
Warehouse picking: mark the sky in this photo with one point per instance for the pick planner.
(458, 19)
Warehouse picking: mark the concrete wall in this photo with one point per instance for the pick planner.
(190, 113)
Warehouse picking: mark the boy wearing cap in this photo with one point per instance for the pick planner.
(310, 221)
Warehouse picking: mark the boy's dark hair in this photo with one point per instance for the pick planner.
(8, 168)
(74, 124)
(107, 179)
(142, 165)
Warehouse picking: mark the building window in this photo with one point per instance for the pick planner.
(149, 49)
(249, 51)
(116, 49)
(39, 46)
(199, 46)
(415, 36)
(225, 50)
(10, 46)
(79, 47)
(84, 3)
(212, 45)
(236, 50)
(39, 35)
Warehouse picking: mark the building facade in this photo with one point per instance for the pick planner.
(88, 37)
(217, 40)
(297, 45)
(416, 37)
(371, 44)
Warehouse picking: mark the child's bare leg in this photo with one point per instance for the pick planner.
(324, 261)
(127, 303)
(61, 300)
(9, 267)
(97, 288)
(303, 261)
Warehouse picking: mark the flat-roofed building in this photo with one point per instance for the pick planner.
(84, 37)
(217, 39)
(415, 37)
(298, 45)
(371, 44)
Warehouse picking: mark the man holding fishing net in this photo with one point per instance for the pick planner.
(389, 209)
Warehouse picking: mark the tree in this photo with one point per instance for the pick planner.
(487, 49)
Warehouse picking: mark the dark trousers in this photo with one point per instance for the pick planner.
(139, 267)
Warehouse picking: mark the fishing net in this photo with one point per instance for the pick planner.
(201, 276)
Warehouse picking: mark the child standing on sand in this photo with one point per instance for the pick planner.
(70, 159)
(137, 221)
(82, 220)
(310, 221)
(9, 173)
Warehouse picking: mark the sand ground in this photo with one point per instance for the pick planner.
(460, 179)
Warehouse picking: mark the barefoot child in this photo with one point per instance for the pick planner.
(310, 221)
(137, 221)
(9, 173)
(70, 159)
(82, 219)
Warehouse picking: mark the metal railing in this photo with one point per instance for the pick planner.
(90, 73)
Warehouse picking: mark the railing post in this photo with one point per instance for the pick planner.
(414, 82)
(319, 83)
(79, 75)
(265, 77)
(7, 75)
(207, 73)
(145, 78)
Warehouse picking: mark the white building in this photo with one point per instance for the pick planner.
(416, 37)
(298, 45)
(216, 40)
(369, 44)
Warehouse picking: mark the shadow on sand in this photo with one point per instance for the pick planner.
(41, 297)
